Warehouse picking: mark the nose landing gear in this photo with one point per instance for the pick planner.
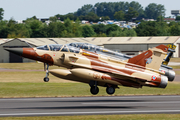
(46, 79)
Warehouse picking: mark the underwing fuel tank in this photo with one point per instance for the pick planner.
(86, 75)
(102, 77)
(65, 74)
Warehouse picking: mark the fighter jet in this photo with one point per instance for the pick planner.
(120, 56)
(100, 70)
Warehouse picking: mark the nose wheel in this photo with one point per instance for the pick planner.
(46, 79)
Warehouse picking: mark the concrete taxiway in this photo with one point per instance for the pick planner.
(89, 105)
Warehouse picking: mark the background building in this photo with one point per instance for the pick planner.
(175, 12)
(126, 45)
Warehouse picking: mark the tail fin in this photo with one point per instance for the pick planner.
(170, 54)
(151, 58)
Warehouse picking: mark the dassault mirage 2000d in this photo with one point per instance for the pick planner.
(120, 56)
(98, 70)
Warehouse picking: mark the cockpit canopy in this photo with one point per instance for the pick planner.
(99, 50)
(75, 48)
(57, 47)
(45, 47)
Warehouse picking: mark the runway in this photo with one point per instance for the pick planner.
(89, 105)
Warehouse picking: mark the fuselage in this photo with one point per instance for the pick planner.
(99, 67)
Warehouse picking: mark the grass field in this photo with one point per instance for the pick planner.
(18, 89)
(28, 76)
(102, 117)
(25, 66)
(30, 84)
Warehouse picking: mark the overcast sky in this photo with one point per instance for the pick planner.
(22, 9)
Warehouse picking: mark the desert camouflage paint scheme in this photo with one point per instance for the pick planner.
(99, 70)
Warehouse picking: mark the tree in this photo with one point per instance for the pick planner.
(53, 19)
(87, 31)
(175, 30)
(137, 7)
(129, 32)
(1, 13)
(84, 10)
(153, 28)
(123, 33)
(119, 15)
(68, 25)
(147, 29)
(3, 29)
(35, 28)
(77, 29)
(99, 29)
(111, 27)
(178, 18)
(105, 18)
(131, 13)
(55, 29)
(153, 10)
(160, 19)
(20, 31)
(91, 17)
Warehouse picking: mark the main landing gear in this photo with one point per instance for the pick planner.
(110, 90)
(46, 79)
(95, 90)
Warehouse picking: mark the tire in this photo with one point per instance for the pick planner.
(94, 90)
(46, 79)
(110, 90)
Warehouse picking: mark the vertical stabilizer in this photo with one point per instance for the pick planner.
(151, 58)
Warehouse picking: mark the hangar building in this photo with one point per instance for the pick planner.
(126, 45)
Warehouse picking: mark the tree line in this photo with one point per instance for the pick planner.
(115, 10)
(33, 28)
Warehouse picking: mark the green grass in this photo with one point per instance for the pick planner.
(30, 84)
(10, 90)
(27, 76)
(25, 66)
(102, 117)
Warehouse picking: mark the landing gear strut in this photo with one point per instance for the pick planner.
(94, 89)
(46, 79)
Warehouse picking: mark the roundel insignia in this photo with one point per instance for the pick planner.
(153, 77)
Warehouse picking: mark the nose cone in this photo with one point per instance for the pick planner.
(18, 51)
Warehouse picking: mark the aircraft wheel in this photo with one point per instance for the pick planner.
(110, 90)
(46, 79)
(94, 90)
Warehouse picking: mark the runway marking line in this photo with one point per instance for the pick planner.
(129, 103)
(95, 112)
(89, 98)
